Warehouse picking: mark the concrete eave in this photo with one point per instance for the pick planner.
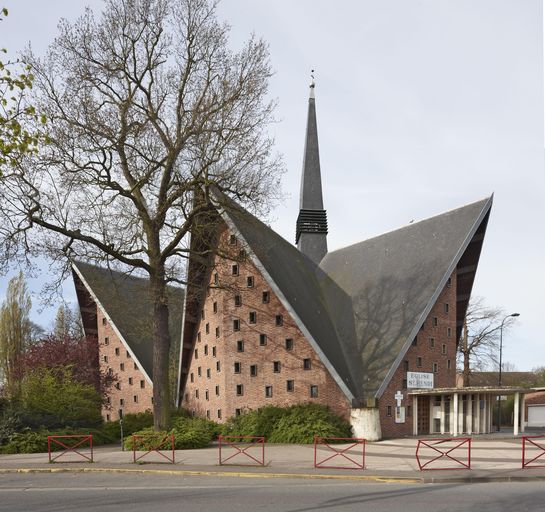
(503, 390)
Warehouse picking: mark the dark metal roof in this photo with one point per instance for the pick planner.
(125, 299)
(393, 281)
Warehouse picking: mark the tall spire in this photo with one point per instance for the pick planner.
(311, 230)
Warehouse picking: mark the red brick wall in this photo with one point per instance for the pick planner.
(263, 357)
(114, 355)
(444, 377)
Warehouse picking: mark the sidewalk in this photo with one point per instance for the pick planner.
(393, 460)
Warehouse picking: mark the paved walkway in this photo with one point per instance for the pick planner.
(492, 459)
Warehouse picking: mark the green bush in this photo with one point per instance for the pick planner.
(131, 423)
(258, 423)
(185, 423)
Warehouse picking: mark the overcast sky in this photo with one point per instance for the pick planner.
(422, 106)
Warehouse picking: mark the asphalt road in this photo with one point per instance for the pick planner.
(158, 493)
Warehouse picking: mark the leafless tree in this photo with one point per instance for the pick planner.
(149, 112)
(479, 344)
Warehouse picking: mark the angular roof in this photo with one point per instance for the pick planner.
(363, 306)
(125, 300)
(393, 281)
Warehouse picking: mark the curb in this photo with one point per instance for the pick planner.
(181, 472)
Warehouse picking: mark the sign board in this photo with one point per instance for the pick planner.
(420, 380)
(400, 414)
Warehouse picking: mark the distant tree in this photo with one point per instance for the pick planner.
(80, 354)
(153, 120)
(479, 344)
(15, 138)
(68, 323)
(15, 332)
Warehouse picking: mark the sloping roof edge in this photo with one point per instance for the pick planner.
(486, 208)
(111, 322)
(255, 260)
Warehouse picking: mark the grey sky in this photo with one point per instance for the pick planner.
(422, 106)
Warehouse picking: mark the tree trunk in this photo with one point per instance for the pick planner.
(161, 350)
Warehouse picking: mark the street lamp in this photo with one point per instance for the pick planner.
(499, 379)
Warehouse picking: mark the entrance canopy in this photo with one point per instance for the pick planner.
(461, 410)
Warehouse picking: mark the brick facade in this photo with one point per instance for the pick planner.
(132, 392)
(255, 356)
(439, 351)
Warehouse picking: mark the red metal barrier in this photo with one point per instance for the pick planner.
(54, 441)
(165, 445)
(241, 445)
(340, 452)
(533, 445)
(445, 453)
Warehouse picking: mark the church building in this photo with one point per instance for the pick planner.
(370, 330)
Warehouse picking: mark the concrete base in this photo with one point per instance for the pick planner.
(366, 423)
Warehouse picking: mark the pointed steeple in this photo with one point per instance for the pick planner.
(311, 230)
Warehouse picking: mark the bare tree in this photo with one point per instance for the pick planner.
(479, 344)
(15, 332)
(149, 112)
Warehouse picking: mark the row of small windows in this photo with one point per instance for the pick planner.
(235, 271)
(290, 387)
(122, 401)
(131, 382)
(431, 341)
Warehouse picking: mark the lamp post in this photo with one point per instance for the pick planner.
(499, 379)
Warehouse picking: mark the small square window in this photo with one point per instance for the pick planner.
(199, 371)
(276, 366)
(218, 366)
(192, 377)
(253, 370)
(142, 384)
(219, 414)
(432, 342)
(435, 321)
(108, 400)
(289, 343)
(389, 410)
(207, 328)
(313, 391)
(104, 321)
(216, 279)
(415, 341)
(423, 326)
(232, 240)
(207, 414)
(449, 332)
(449, 282)
(268, 391)
(106, 341)
(238, 412)
(242, 254)
(118, 385)
(215, 307)
(444, 349)
(130, 381)
(419, 362)
(252, 317)
(206, 395)
(449, 365)
(121, 402)
(122, 367)
(206, 350)
(435, 368)
(238, 300)
(266, 297)
(217, 332)
(406, 365)
(208, 373)
(196, 393)
(306, 364)
(446, 308)
(117, 351)
(262, 339)
(234, 270)
(250, 282)
(213, 351)
(202, 314)
(135, 399)
(107, 417)
(135, 366)
(236, 324)
(199, 336)
(290, 386)
(237, 367)
(240, 389)
(196, 353)
(127, 355)
(105, 359)
(217, 391)
(279, 320)
(240, 346)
